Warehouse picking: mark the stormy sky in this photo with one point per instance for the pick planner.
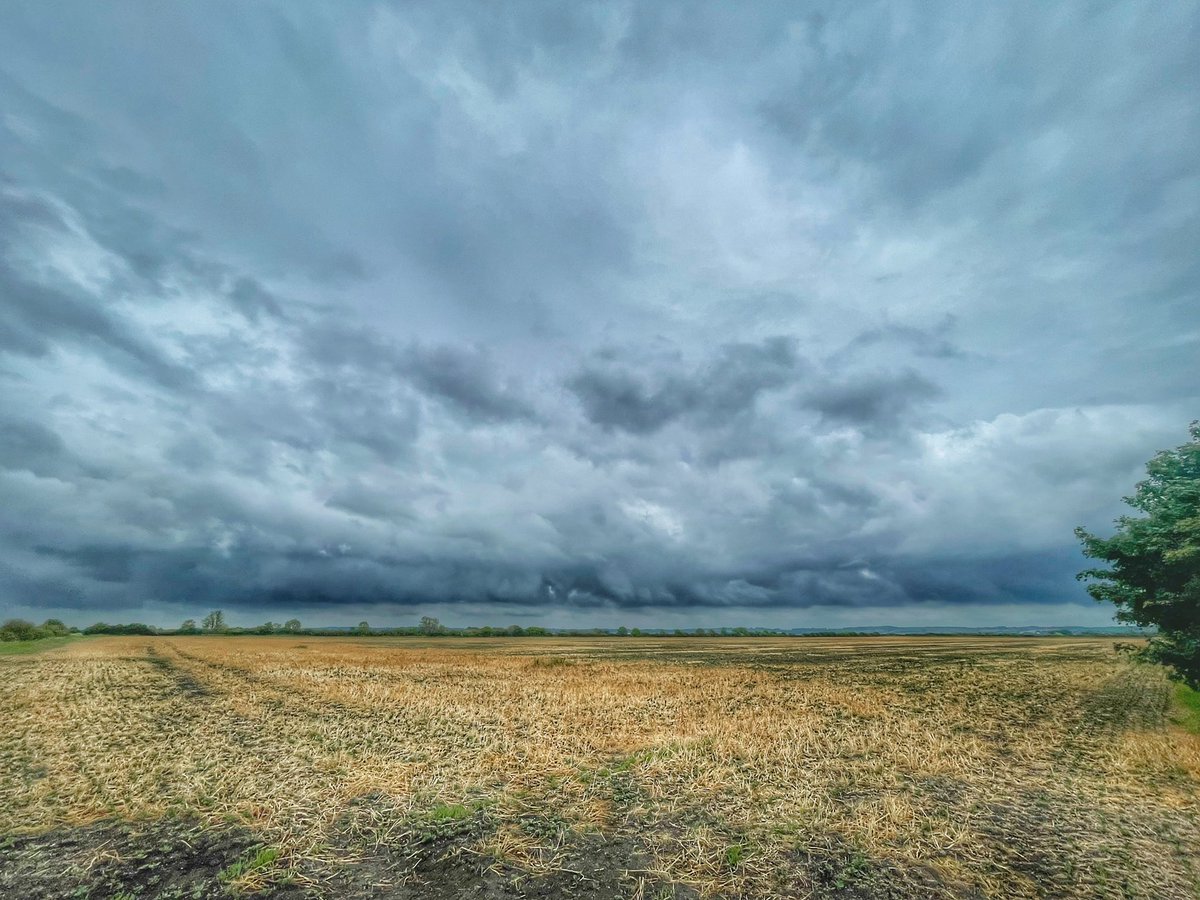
(588, 314)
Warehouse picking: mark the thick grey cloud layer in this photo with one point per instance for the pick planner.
(660, 312)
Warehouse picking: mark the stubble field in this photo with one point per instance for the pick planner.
(646, 768)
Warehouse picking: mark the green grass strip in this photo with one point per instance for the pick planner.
(17, 648)
(1187, 708)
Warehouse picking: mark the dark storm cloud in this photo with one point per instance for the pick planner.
(873, 402)
(616, 399)
(109, 564)
(29, 445)
(252, 300)
(467, 380)
(35, 316)
(818, 313)
(931, 343)
(37, 313)
(616, 394)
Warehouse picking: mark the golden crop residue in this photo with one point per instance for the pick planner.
(996, 765)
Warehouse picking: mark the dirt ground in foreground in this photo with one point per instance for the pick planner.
(184, 860)
(758, 769)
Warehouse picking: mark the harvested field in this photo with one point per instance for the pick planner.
(857, 767)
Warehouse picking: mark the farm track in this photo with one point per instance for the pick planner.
(808, 768)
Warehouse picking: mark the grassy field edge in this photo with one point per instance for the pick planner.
(19, 648)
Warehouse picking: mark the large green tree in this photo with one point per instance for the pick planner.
(1153, 573)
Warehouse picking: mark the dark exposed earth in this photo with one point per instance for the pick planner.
(174, 859)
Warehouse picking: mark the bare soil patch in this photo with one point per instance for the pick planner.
(168, 859)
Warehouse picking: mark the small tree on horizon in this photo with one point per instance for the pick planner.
(1153, 576)
(291, 626)
(430, 625)
(214, 621)
(188, 627)
(364, 628)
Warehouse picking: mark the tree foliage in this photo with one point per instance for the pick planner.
(1153, 573)
(214, 621)
(130, 628)
(20, 630)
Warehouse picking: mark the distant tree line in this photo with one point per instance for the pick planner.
(20, 630)
(216, 623)
(428, 626)
(131, 628)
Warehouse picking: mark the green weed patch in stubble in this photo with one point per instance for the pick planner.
(1186, 713)
(252, 872)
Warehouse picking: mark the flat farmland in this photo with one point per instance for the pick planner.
(642, 767)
